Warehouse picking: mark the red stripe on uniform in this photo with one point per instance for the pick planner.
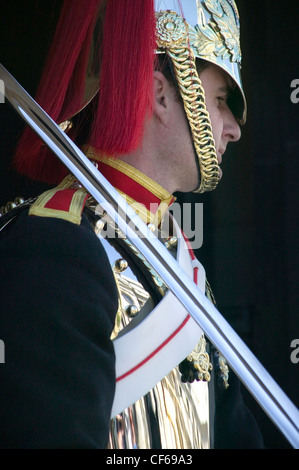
(155, 352)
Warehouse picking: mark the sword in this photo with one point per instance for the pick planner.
(272, 399)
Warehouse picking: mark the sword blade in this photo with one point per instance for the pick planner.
(254, 376)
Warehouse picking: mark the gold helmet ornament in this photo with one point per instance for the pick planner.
(188, 30)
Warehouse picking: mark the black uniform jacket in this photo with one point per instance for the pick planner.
(58, 305)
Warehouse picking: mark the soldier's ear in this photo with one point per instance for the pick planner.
(163, 96)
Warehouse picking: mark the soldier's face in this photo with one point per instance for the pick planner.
(171, 137)
(217, 85)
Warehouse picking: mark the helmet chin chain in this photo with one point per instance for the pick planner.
(173, 40)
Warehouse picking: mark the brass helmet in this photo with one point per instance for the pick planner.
(188, 30)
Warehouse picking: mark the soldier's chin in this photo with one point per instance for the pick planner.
(220, 173)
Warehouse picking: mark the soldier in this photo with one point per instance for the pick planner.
(79, 293)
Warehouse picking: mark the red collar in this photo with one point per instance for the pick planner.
(146, 196)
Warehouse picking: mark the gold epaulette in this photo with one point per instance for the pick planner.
(66, 202)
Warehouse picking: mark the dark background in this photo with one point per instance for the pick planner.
(251, 225)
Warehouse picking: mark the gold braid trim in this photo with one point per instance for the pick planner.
(73, 207)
